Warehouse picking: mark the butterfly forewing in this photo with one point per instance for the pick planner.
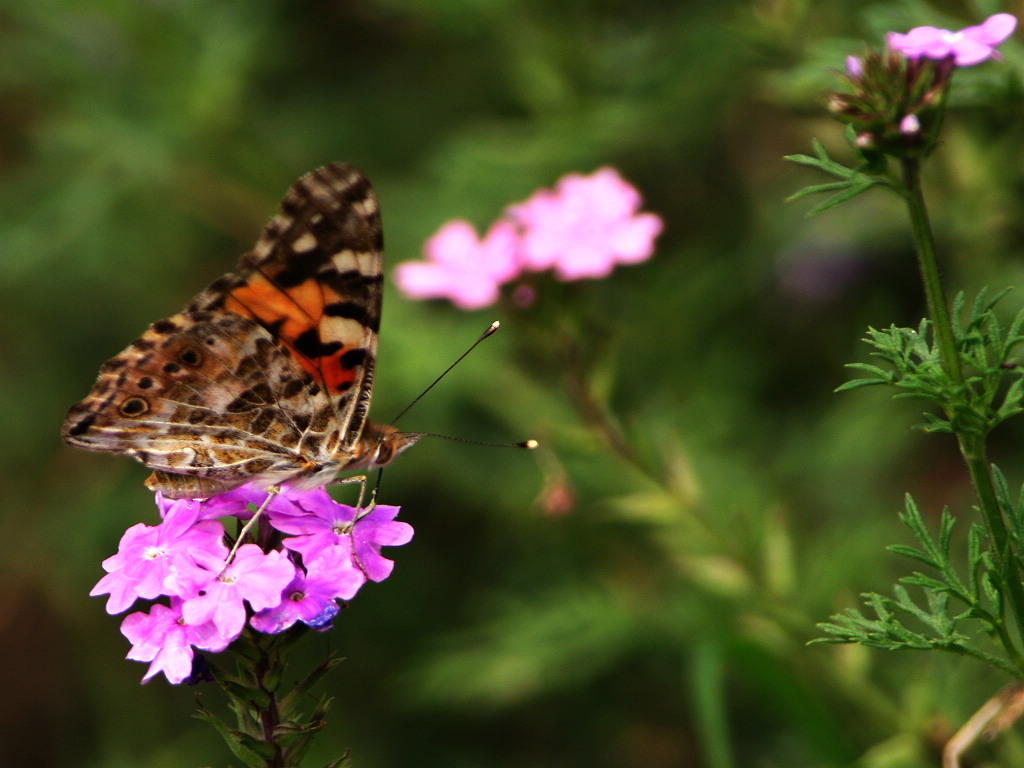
(267, 374)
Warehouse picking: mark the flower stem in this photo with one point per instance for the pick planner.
(973, 449)
(972, 444)
(938, 310)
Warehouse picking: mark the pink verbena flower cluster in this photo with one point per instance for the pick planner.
(899, 96)
(967, 47)
(325, 557)
(581, 229)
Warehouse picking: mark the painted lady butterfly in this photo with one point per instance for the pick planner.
(267, 374)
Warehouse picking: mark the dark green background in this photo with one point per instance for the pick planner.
(660, 622)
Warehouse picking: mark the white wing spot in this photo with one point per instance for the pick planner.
(307, 242)
(345, 260)
(367, 207)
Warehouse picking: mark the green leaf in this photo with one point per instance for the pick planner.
(302, 688)
(253, 752)
(904, 550)
(852, 191)
(857, 383)
(817, 189)
(247, 695)
(927, 582)
(822, 161)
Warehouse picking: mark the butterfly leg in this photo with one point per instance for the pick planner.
(361, 511)
(272, 491)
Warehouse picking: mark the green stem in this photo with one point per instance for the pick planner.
(938, 310)
(973, 449)
(972, 446)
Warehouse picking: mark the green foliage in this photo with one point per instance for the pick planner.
(271, 729)
(853, 181)
(993, 389)
(648, 616)
(978, 595)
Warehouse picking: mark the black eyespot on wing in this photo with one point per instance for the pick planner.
(133, 406)
(191, 357)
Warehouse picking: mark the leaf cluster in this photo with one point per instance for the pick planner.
(271, 730)
(950, 600)
(868, 173)
(993, 388)
(989, 393)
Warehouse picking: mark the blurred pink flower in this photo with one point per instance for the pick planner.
(580, 229)
(585, 226)
(968, 46)
(461, 267)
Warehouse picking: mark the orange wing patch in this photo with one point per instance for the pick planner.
(294, 315)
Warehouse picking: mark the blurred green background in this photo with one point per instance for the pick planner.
(640, 591)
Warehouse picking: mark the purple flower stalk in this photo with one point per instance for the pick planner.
(967, 47)
(210, 601)
(581, 229)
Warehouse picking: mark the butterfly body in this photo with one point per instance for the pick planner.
(267, 374)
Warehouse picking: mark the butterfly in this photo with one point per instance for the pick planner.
(265, 376)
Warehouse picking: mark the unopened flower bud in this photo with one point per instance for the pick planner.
(864, 141)
(910, 125)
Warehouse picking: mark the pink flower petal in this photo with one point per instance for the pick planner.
(586, 226)
(994, 30)
(969, 46)
(462, 268)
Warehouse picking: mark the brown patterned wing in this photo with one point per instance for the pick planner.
(266, 374)
(210, 400)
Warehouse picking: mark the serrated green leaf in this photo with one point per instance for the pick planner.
(254, 753)
(946, 523)
(852, 191)
(882, 373)
(248, 696)
(818, 189)
(801, 159)
(958, 308)
(858, 383)
(302, 688)
(974, 538)
(295, 735)
(259, 751)
(904, 550)
(927, 582)
(822, 161)
(992, 592)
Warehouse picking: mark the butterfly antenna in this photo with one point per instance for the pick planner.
(528, 444)
(491, 329)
